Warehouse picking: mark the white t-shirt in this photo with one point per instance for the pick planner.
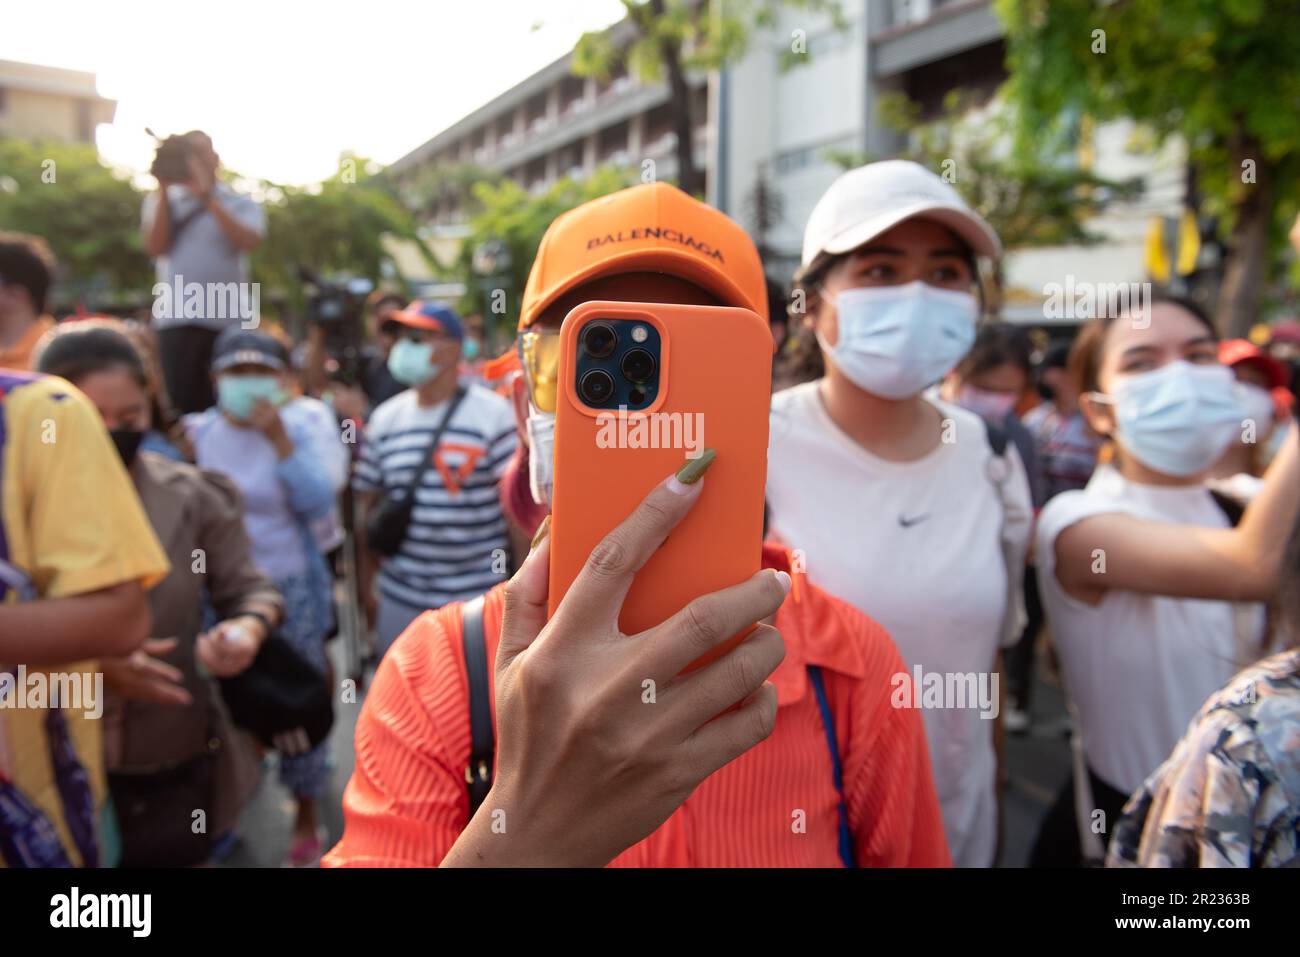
(1137, 666)
(916, 546)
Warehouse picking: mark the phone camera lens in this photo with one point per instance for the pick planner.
(599, 339)
(638, 365)
(596, 387)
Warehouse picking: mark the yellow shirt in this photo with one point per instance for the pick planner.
(71, 522)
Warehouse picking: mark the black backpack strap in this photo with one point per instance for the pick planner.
(432, 449)
(999, 436)
(482, 749)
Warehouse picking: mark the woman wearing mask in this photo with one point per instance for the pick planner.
(288, 462)
(1140, 570)
(989, 381)
(168, 741)
(906, 506)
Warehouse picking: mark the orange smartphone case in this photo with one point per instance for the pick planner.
(715, 361)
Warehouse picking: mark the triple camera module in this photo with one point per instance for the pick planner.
(618, 364)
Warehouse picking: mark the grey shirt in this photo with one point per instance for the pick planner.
(201, 254)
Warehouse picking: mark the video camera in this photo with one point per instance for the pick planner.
(338, 308)
(171, 161)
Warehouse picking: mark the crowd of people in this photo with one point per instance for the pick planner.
(945, 497)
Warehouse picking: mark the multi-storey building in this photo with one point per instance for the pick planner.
(45, 102)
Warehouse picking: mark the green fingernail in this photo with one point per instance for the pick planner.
(542, 529)
(690, 473)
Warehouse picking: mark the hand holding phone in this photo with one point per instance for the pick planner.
(600, 734)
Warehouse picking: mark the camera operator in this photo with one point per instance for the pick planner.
(353, 396)
(198, 230)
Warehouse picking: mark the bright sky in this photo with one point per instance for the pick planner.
(285, 86)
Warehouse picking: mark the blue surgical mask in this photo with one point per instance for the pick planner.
(1179, 418)
(470, 349)
(896, 340)
(411, 363)
(236, 394)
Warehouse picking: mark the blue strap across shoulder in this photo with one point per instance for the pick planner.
(828, 723)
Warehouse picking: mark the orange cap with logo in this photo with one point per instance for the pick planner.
(653, 227)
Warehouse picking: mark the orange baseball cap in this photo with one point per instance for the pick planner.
(653, 227)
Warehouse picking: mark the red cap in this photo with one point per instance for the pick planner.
(1235, 351)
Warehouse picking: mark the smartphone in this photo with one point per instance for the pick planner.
(643, 387)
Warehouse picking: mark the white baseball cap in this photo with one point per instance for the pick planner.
(865, 202)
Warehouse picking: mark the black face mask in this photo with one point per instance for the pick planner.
(127, 442)
(1046, 391)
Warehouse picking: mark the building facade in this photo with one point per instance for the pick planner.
(44, 102)
(555, 124)
(778, 130)
(768, 129)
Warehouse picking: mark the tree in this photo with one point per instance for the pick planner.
(333, 227)
(436, 186)
(88, 213)
(1221, 74)
(671, 38)
(517, 219)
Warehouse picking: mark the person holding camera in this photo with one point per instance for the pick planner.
(430, 520)
(198, 230)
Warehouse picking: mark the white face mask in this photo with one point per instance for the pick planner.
(1177, 419)
(896, 340)
(541, 454)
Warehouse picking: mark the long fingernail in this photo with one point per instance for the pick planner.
(542, 529)
(692, 472)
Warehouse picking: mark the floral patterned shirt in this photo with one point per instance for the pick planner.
(1229, 795)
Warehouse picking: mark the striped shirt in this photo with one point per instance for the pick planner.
(457, 542)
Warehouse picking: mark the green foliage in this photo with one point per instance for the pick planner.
(1221, 73)
(1037, 196)
(517, 218)
(436, 183)
(708, 35)
(89, 215)
(333, 227)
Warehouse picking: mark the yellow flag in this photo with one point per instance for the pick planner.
(1157, 255)
(1189, 243)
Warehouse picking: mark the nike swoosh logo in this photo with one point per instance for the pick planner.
(909, 522)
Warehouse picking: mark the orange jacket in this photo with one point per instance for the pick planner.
(774, 806)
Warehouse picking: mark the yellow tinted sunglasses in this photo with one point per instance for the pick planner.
(539, 353)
